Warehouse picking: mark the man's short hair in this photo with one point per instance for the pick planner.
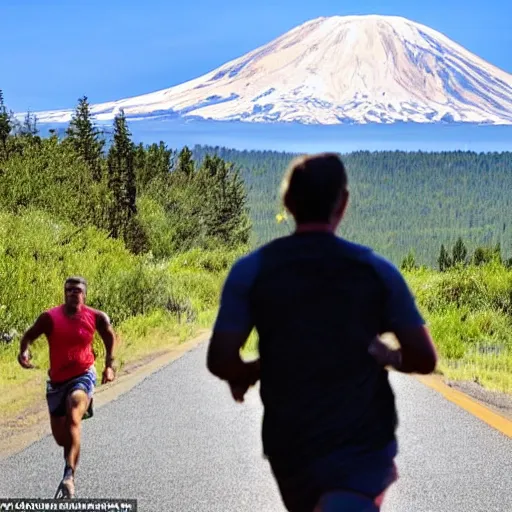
(312, 187)
(76, 280)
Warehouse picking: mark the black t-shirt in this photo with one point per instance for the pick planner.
(317, 301)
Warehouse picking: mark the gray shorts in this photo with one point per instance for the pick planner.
(57, 393)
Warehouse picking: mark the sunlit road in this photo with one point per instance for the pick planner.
(177, 442)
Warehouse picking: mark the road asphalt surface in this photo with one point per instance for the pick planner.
(178, 442)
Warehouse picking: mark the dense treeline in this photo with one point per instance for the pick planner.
(151, 197)
(400, 202)
(447, 211)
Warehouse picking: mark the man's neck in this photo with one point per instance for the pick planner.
(312, 227)
(72, 310)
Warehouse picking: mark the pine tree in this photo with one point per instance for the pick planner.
(480, 256)
(29, 127)
(5, 126)
(444, 260)
(409, 262)
(158, 161)
(139, 163)
(121, 178)
(185, 165)
(224, 202)
(124, 222)
(85, 138)
(497, 252)
(459, 252)
(152, 163)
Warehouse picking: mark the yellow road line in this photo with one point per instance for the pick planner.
(492, 418)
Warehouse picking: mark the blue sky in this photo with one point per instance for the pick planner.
(54, 51)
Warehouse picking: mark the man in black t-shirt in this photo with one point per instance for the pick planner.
(319, 304)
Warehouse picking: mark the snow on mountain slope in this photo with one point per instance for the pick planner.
(362, 69)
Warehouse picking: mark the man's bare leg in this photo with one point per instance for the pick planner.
(59, 429)
(77, 403)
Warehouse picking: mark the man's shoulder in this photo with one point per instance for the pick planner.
(98, 314)
(44, 321)
(365, 254)
(250, 257)
(354, 249)
(52, 311)
(363, 251)
(384, 267)
(246, 266)
(250, 264)
(48, 316)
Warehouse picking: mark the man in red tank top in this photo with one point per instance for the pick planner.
(70, 330)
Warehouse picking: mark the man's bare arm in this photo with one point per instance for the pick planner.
(402, 317)
(106, 332)
(41, 326)
(223, 359)
(232, 328)
(416, 354)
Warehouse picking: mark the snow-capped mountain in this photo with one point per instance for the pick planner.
(362, 69)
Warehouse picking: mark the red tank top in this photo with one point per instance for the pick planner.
(70, 343)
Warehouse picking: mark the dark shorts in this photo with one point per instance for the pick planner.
(368, 475)
(57, 393)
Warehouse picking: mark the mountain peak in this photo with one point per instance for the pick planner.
(338, 69)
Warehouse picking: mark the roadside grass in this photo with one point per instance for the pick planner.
(468, 309)
(179, 299)
(469, 312)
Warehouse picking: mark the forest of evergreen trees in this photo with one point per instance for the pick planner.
(404, 205)
(412, 207)
(151, 197)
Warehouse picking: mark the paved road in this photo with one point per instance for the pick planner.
(177, 442)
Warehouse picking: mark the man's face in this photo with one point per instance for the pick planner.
(74, 294)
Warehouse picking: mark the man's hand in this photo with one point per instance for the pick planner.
(238, 391)
(384, 355)
(108, 375)
(24, 360)
(250, 378)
